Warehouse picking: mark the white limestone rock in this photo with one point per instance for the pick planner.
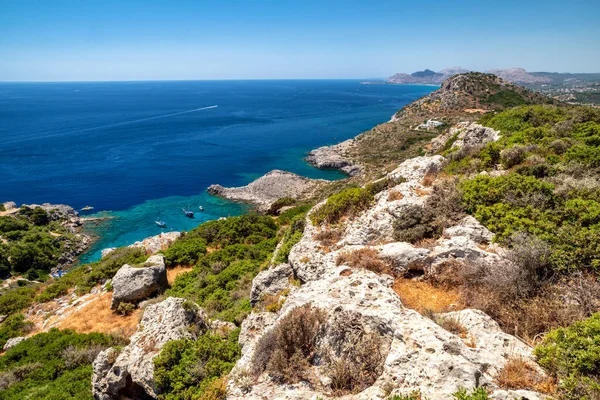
(132, 284)
(130, 372)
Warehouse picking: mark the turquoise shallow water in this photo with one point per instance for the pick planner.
(136, 149)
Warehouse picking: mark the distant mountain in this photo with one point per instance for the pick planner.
(518, 75)
(427, 77)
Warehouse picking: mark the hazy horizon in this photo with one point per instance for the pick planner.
(66, 41)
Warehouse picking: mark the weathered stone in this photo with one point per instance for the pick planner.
(271, 281)
(12, 342)
(130, 372)
(134, 283)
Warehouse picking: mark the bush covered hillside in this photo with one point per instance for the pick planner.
(33, 242)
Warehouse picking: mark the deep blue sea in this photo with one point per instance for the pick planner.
(134, 150)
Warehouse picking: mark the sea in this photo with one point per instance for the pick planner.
(142, 151)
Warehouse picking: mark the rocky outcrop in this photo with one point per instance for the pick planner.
(271, 282)
(129, 373)
(152, 244)
(12, 342)
(418, 354)
(333, 157)
(133, 283)
(269, 188)
(465, 134)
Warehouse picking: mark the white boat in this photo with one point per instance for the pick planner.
(201, 208)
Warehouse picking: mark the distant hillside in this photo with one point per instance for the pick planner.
(474, 91)
(518, 75)
(514, 75)
(426, 77)
(463, 97)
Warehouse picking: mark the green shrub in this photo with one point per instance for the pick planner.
(16, 299)
(185, 251)
(441, 210)
(279, 204)
(572, 355)
(13, 326)
(291, 236)
(125, 309)
(518, 203)
(52, 365)
(186, 369)
(2, 207)
(384, 184)
(347, 203)
(54, 290)
(479, 393)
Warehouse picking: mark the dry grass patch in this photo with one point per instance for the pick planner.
(452, 325)
(422, 296)
(174, 272)
(394, 195)
(98, 317)
(518, 373)
(365, 258)
(328, 237)
(422, 192)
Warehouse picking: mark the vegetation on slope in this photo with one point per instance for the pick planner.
(573, 355)
(221, 280)
(32, 243)
(55, 365)
(187, 369)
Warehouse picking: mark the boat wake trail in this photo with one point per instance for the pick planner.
(135, 121)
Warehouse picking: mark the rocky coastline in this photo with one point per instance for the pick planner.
(334, 157)
(269, 188)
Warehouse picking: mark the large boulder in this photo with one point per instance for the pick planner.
(129, 373)
(133, 283)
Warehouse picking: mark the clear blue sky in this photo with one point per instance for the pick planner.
(56, 40)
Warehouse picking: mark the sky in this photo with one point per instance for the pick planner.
(64, 40)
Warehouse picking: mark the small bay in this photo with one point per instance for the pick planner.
(139, 150)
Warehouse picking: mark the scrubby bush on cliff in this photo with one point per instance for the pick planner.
(384, 184)
(441, 210)
(347, 203)
(279, 204)
(286, 352)
(365, 258)
(292, 234)
(55, 365)
(573, 356)
(568, 222)
(188, 369)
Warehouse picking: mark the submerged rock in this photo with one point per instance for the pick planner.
(133, 283)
